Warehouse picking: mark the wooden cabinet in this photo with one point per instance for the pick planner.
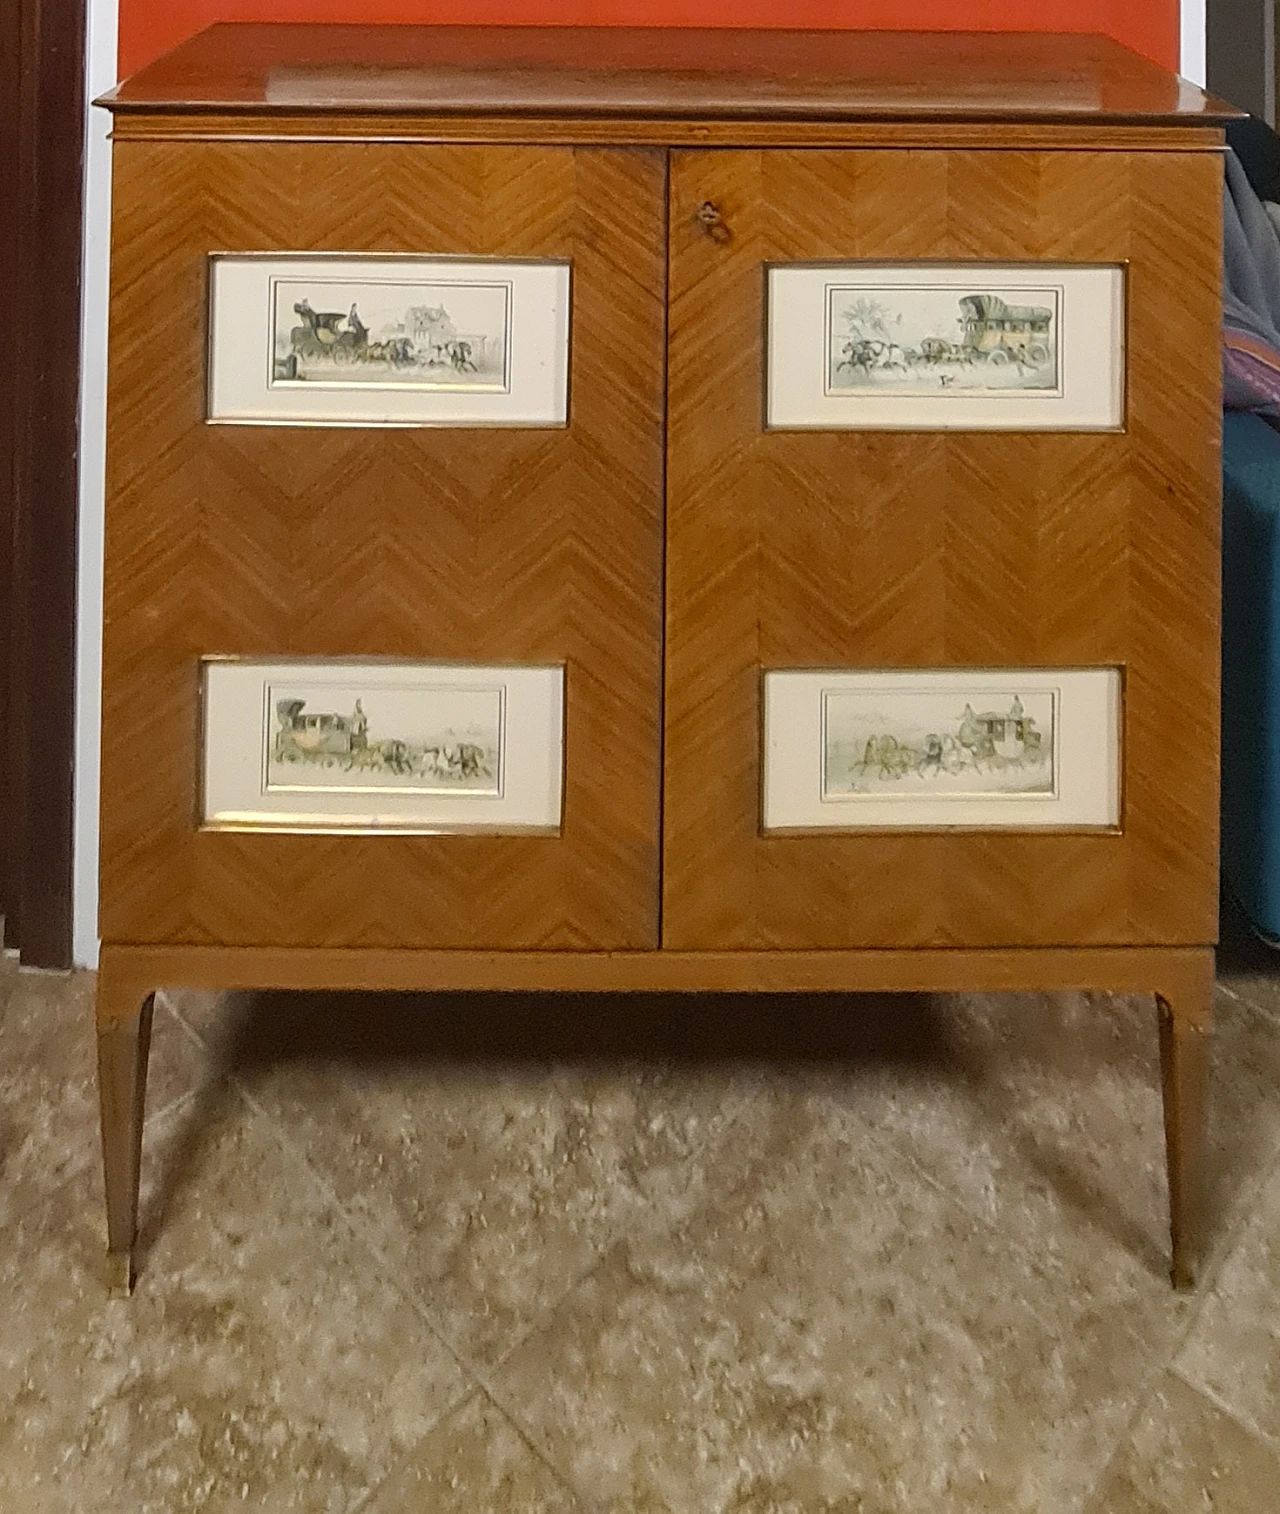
(666, 547)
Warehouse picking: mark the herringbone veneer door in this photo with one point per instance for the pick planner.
(981, 550)
(494, 545)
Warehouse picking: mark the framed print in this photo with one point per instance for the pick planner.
(1006, 749)
(941, 347)
(335, 745)
(361, 339)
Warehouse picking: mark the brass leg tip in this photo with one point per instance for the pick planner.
(120, 1273)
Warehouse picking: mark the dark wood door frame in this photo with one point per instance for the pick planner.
(41, 216)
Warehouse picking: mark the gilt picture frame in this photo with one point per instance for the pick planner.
(941, 347)
(1008, 749)
(339, 744)
(371, 339)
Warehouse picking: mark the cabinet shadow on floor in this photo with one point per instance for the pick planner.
(1026, 1094)
(591, 1031)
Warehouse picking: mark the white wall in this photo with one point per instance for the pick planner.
(1193, 32)
(101, 69)
(102, 75)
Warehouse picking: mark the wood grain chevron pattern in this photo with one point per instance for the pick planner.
(892, 550)
(507, 545)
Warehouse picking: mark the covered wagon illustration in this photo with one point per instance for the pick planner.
(997, 332)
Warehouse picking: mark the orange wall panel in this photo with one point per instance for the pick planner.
(150, 27)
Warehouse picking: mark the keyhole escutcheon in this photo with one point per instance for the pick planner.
(713, 223)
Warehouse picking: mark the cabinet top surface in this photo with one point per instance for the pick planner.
(623, 71)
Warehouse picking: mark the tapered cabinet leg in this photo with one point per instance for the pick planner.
(124, 1044)
(1186, 1024)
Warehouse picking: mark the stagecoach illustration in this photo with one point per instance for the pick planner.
(988, 741)
(886, 336)
(303, 734)
(1000, 333)
(1010, 735)
(331, 740)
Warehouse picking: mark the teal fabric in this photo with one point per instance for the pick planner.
(1251, 667)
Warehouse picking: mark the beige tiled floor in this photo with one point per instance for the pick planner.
(646, 1256)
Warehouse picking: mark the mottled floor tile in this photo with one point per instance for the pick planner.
(1246, 965)
(48, 1080)
(1234, 1349)
(262, 1362)
(711, 1254)
(473, 1462)
(213, 1017)
(846, 1338)
(490, 1186)
(1042, 1114)
(1187, 1456)
(1259, 990)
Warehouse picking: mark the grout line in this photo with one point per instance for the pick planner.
(1207, 1286)
(539, 1453)
(471, 1390)
(477, 1379)
(170, 1112)
(1147, 1392)
(992, 1227)
(1249, 1203)
(1249, 1199)
(284, 1139)
(1231, 1412)
(508, 1409)
(544, 1317)
(163, 1005)
(1167, 1363)
(1247, 1000)
(1195, 1308)
(164, 1000)
(280, 1133)
(473, 1383)
(477, 1375)
(480, 1378)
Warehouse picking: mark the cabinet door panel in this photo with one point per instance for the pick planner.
(942, 549)
(524, 546)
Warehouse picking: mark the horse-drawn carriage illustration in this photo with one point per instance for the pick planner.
(1000, 333)
(326, 739)
(927, 338)
(993, 750)
(395, 334)
(329, 334)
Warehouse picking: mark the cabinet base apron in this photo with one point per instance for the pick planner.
(1181, 979)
